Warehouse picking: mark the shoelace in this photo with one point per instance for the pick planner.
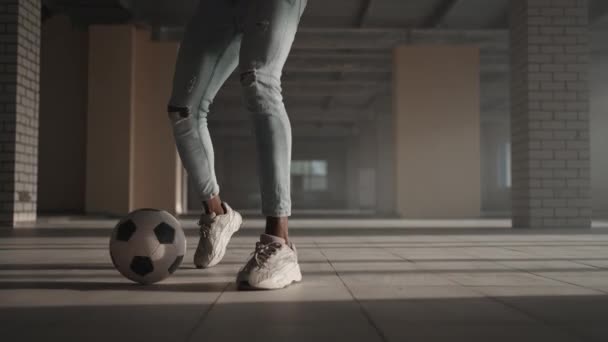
(264, 251)
(205, 225)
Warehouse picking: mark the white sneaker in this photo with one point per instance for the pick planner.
(273, 265)
(216, 231)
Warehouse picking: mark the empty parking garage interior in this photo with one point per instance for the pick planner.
(449, 174)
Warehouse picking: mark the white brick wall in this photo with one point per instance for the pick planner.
(550, 113)
(19, 87)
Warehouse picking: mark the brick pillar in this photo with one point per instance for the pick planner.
(550, 113)
(19, 80)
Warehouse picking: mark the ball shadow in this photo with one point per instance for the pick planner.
(116, 286)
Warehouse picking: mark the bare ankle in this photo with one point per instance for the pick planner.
(214, 205)
(277, 226)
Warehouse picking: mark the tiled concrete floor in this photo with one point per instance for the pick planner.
(383, 283)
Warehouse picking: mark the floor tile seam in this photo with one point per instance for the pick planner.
(201, 321)
(563, 259)
(414, 263)
(570, 283)
(545, 323)
(395, 254)
(439, 245)
(525, 271)
(503, 248)
(531, 316)
(551, 278)
(364, 312)
(595, 269)
(545, 256)
(578, 262)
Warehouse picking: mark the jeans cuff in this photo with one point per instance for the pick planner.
(207, 196)
(276, 213)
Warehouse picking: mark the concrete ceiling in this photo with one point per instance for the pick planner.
(449, 14)
(340, 62)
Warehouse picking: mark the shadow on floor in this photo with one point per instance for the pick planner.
(115, 286)
(314, 232)
(206, 274)
(475, 319)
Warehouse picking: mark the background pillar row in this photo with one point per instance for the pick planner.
(19, 95)
(550, 113)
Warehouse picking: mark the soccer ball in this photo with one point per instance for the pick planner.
(147, 245)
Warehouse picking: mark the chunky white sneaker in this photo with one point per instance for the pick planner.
(273, 265)
(216, 231)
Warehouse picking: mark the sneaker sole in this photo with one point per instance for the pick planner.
(295, 276)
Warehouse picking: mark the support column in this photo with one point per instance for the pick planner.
(550, 113)
(385, 161)
(110, 120)
(132, 161)
(19, 85)
(367, 164)
(436, 130)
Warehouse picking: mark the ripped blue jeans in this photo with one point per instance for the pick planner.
(255, 36)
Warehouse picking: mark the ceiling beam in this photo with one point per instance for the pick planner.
(359, 23)
(299, 129)
(435, 19)
(361, 90)
(297, 113)
(387, 39)
(296, 64)
(366, 39)
(293, 80)
(352, 39)
(320, 38)
(235, 112)
(90, 12)
(376, 63)
(486, 40)
(310, 77)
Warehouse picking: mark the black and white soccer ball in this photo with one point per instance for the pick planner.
(147, 245)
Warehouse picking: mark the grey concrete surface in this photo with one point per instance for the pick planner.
(380, 281)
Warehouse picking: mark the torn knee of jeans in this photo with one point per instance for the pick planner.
(177, 112)
(248, 78)
(263, 25)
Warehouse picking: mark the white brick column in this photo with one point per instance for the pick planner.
(19, 84)
(550, 113)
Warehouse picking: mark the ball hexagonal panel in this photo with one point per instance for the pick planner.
(141, 265)
(125, 230)
(164, 233)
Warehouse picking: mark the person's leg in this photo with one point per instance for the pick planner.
(208, 54)
(269, 30)
(268, 33)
